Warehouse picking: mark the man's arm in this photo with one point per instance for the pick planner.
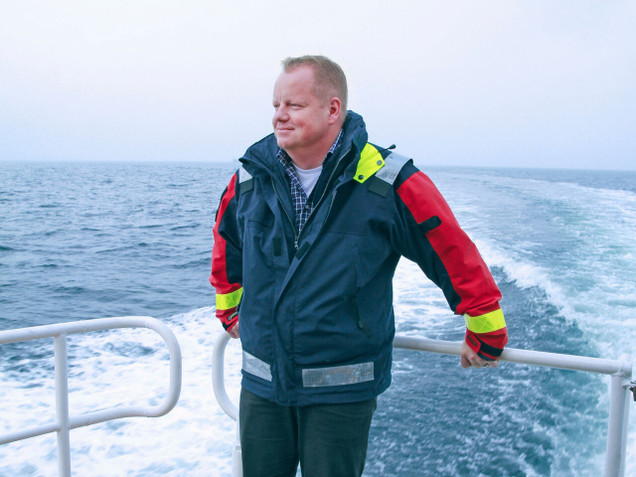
(226, 261)
(450, 259)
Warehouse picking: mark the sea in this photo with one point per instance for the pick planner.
(80, 241)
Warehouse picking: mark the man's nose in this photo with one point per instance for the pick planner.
(281, 114)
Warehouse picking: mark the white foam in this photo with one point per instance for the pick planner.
(593, 282)
(194, 439)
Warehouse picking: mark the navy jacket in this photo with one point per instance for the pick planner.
(316, 308)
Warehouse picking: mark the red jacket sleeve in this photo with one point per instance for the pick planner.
(226, 259)
(451, 260)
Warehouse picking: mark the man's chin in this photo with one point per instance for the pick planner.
(283, 143)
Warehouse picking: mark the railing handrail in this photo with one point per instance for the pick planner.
(620, 372)
(65, 422)
(523, 356)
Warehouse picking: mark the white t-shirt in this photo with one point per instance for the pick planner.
(308, 178)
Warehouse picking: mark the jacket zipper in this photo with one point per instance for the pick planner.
(322, 197)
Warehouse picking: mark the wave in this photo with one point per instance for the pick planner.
(573, 242)
(527, 275)
(567, 407)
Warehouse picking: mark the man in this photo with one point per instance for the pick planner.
(307, 237)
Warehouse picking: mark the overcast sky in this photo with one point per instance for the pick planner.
(472, 83)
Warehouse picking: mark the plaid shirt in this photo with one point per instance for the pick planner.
(302, 206)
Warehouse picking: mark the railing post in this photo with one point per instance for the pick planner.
(218, 384)
(61, 405)
(617, 429)
(237, 457)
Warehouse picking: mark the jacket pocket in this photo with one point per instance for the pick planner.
(360, 321)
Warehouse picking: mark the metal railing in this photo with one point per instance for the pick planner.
(620, 388)
(64, 422)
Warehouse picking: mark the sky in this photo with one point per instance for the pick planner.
(505, 83)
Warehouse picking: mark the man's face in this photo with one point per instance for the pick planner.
(301, 120)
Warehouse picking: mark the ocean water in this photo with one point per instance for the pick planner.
(81, 241)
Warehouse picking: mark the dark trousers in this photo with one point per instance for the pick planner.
(328, 440)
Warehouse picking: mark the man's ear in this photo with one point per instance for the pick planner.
(335, 108)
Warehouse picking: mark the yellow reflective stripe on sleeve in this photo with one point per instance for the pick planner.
(228, 300)
(370, 162)
(486, 323)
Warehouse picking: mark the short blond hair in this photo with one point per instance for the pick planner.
(329, 79)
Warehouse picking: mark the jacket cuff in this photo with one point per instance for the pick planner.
(227, 306)
(488, 346)
(228, 318)
(229, 326)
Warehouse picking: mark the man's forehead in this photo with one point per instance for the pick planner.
(294, 83)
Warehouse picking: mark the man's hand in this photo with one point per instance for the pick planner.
(470, 358)
(234, 331)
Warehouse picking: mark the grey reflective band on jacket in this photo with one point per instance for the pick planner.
(257, 367)
(384, 179)
(316, 377)
(338, 375)
(245, 180)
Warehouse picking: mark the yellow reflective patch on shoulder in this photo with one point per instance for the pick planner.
(486, 323)
(370, 162)
(228, 300)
